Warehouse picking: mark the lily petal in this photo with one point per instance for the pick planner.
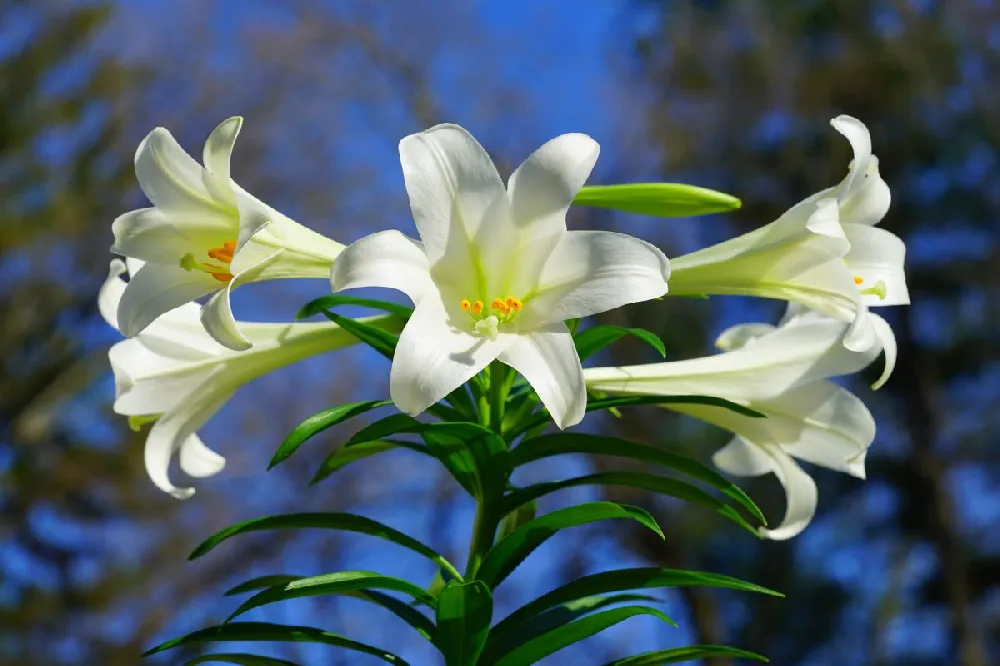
(549, 361)
(433, 358)
(385, 259)
(543, 187)
(219, 147)
(146, 234)
(878, 255)
(736, 337)
(452, 184)
(171, 432)
(111, 292)
(594, 271)
(887, 340)
(801, 497)
(156, 289)
(217, 314)
(861, 143)
(175, 183)
(199, 461)
(740, 458)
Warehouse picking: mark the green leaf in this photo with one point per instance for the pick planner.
(365, 442)
(658, 484)
(319, 422)
(556, 617)
(378, 339)
(619, 581)
(339, 582)
(241, 659)
(328, 521)
(684, 654)
(546, 446)
(567, 634)
(637, 400)
(508, 553)
(343, 456)
(596, 338)
(543, 418)
(516, 518)
(658, 199)
(260, 582)
(400, 609)
(267, 632)
(331, 301)
(464, 613)
(477, 457)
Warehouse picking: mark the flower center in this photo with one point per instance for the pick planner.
(222, 256)
(501, 311)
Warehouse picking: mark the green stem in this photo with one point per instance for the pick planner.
(483, 532)
(498, 396)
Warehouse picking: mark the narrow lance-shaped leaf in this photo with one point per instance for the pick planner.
(567, 634)
(617, 581)
(657, 199)
(406, 612)
(592, 340)
(343, 456)
(477, 457)
(378, 339)
(464, 613)
(546, 446)
(339, 582)
(239, 658)
(657, 484)
(510, 551)
(332, 521)
(542, 418)
(319, 422)
(563, 614)
(684, 655)
(264, 632)
(331, 301)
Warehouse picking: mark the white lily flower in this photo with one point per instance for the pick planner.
(824, 253)
(175, 375)
(780, 372)
(496, 273)
(205, 235)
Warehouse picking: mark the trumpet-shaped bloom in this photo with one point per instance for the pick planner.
(824, 253)
(175, 375)
(205, 236)
(496, 272)
(780, 372)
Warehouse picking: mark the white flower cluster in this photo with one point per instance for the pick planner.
(494, 276)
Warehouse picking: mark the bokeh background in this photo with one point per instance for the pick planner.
(901, 569)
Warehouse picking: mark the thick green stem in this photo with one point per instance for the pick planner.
(498, 396)
(491, 415)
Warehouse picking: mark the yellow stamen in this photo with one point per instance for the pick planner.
(514, 304)
(498, 304)
(477, 307)
(223, 255)
(858, 279)
(465, 305)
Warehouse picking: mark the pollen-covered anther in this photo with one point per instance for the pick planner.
(223, 255)
(514, 304)
(466, 305)
(500, 305)
(858, 279)
(477, 307)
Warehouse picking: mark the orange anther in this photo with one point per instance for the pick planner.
(477, 307)
(497, 304)
(858, 279)
(222, 277)
(465, 305)
(514, 304)
(224, 253)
